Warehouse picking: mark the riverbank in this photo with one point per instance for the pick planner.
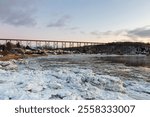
(10, 51)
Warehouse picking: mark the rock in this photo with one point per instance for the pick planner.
(8, 65)
(54, 85)
(22, 61)
(34, 87)
(28, 51)
(57, 96)
(19, 50)
(42, 52)
(4, 63)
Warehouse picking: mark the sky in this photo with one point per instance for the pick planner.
(76, 20)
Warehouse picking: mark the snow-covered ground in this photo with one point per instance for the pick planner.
(72, 77)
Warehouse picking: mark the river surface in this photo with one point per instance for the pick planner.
(136, 61)
(127, 66)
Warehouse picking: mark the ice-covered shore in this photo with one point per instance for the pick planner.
(40, 78)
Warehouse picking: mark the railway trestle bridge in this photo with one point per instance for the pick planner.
(53, 44)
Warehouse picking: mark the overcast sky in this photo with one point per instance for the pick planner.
(84, 20)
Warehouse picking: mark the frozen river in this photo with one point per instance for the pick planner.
(90, 77)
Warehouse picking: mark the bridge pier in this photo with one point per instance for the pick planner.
(28, 43)
(71, 44)
(47, 44)
(78, 44)
(55, 45)
(63, 44)
(38, 44)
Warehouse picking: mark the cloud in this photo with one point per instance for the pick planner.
(109, 33)
(119, 35)
(74, 28)
(17, 12)
(137, 34)
(143, 32)
(82, 32)
(95, 33)
(61, 22)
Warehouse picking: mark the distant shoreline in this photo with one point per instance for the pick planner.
(17, 51)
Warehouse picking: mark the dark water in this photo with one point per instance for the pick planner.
(67, 60)
(143, 61)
